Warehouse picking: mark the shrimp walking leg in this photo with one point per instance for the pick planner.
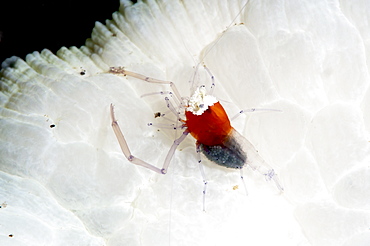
(203, 176)
(252, 110)
(126, 150)
(243, 181)
(122, 71)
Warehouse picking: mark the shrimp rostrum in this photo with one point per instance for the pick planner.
(207, 121)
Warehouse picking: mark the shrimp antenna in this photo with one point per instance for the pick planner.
(215, 43)
(221, 36)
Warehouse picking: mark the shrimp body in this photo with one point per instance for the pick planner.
(208, 123)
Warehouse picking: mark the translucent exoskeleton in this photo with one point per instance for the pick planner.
(206, 120)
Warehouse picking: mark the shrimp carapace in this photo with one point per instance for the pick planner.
(211, 127)
(206, 119)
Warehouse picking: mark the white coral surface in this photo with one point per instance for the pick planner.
(65, 181)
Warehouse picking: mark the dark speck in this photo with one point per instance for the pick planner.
(52, 126)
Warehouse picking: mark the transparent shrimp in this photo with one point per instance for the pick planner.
(203, 117)
(207, 121)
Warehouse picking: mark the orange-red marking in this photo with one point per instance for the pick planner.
(210, 128)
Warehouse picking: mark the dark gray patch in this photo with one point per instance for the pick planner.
(229, 154)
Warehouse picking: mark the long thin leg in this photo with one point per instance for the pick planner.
(212, 78)
(203, 176)
(252, 110)
(165, 126)
(122, 71)
(172, 150)
(126, 151)
(243, 181)
(163, 93)
(172, 108)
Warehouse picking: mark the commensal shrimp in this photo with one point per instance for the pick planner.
(207, 121)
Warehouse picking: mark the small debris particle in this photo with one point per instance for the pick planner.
(10, 235)
(3, 205)
(158, 114)
(235, 187)
(83, 71)
(52, 126)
